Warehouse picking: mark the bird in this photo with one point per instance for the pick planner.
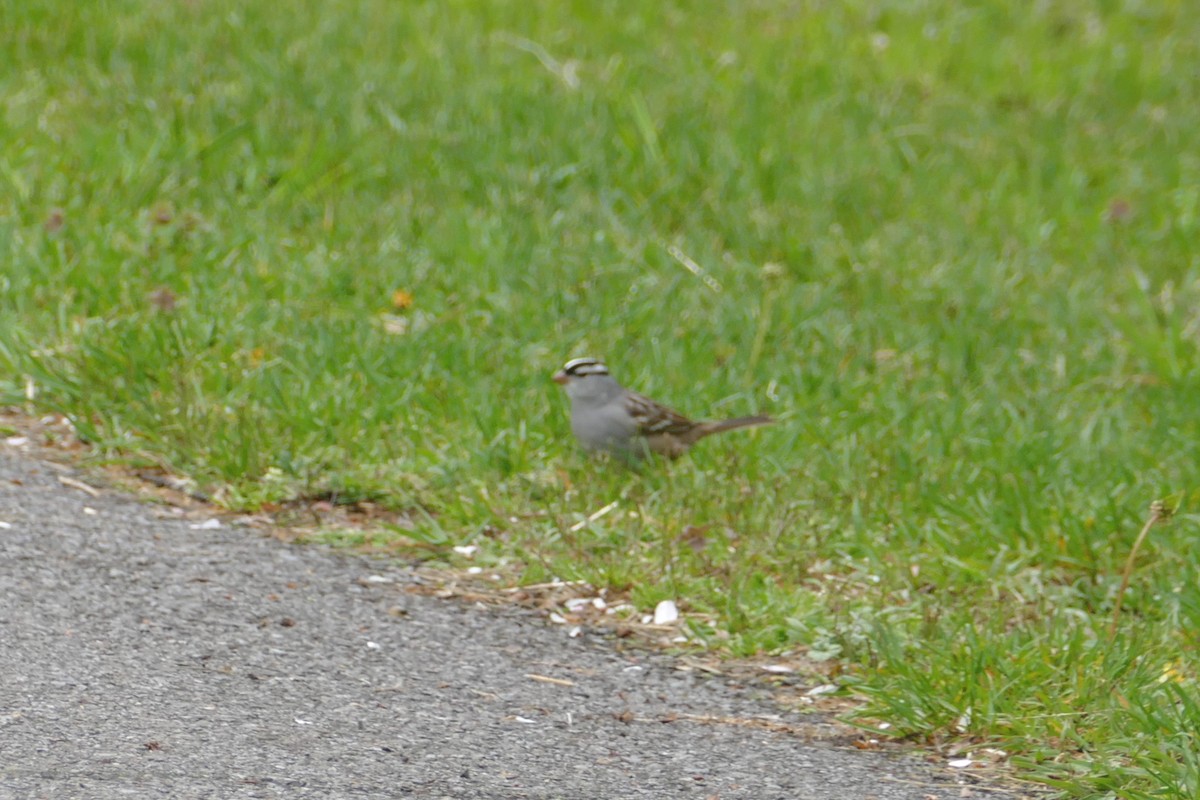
(608, 418)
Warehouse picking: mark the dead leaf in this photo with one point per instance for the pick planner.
(55, 220)
(164, 299)
(1119, 210)
(694, 537)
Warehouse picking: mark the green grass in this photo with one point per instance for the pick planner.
(952, 245)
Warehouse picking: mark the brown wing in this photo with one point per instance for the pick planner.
(655, 419)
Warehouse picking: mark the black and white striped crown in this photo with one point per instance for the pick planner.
(585, 366)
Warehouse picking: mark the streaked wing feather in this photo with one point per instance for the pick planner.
(655, 419)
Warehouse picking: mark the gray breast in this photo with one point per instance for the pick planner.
(607, 427)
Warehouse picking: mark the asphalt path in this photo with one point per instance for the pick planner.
(142, 656)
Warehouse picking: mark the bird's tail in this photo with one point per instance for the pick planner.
(709, 428)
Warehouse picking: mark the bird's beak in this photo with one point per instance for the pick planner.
(560, 377)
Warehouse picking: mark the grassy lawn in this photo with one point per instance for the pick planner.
(335, 248)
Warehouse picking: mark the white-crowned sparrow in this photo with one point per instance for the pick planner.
(607, 417)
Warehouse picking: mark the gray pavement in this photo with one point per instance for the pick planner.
(140, 657)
